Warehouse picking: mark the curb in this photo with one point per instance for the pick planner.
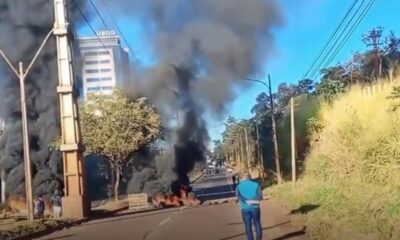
(67, 223)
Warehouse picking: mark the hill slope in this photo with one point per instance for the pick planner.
(352, 176)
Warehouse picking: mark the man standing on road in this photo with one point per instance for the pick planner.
(249, 195)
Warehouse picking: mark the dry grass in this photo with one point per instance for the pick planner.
(352, 171)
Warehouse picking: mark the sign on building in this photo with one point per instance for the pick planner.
(138, 201)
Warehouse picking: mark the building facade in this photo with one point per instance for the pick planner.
(105, 64)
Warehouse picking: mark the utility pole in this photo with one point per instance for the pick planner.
(275, 139)
(22, 73)
(293, 142)
(25, 142)
(259, 151)
(2, 172)
(274, 135)
(74, 202)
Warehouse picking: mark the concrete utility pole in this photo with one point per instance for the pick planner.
(293, 141)
(259, 151)
(21, 73)
(274, 135)
(25, 139)
(2, 173)
(74, 202)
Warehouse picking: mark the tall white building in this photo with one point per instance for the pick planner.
(105, 63)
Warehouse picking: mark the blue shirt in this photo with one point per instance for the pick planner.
(248, 190)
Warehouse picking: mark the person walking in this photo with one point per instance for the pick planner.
(249, 194)
(234, 184)
(56, 202)
(40, 207)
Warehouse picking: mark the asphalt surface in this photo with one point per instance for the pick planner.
(212, 222)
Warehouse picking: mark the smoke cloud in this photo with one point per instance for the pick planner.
(24, 25)
(203, 49)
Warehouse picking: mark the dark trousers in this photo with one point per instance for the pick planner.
(250, 217)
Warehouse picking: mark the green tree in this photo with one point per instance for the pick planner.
(305, 86)
(116, 127)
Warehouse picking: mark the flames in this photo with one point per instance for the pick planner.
(185, 198)
(16, 204)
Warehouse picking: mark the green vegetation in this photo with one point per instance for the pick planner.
(348, 144)
(352, 170)
(116, 127)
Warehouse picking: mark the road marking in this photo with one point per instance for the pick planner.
(164, 221)
(182, 207)
(214, 194)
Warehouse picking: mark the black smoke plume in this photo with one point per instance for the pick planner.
(24, 25)
(203, 49)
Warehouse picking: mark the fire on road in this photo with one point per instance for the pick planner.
(214, 222)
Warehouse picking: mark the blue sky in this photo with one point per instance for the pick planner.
(309, 23)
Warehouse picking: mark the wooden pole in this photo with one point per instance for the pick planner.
(293, 142)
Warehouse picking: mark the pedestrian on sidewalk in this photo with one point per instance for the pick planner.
(249, 195)
(40, 207)
(56, 202)
(234, 183)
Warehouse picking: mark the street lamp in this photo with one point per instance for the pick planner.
(274, 135)
(21, 73)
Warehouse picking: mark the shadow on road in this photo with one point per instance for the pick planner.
(304, 209)
(290, 235)
(61, 237)
(266, 228)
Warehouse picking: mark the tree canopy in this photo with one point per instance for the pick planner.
(115, 127)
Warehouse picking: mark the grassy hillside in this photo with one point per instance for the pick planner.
(351, 185)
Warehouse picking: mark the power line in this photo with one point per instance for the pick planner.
(358, 21)
(98, 14)
(333, 47)
(331, 38)
(118, 28)
(88, 23)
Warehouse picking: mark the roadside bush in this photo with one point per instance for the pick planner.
(352, 170)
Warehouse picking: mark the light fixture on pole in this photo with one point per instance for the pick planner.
(21, 74)
(274, 134)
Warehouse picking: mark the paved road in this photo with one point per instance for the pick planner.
(212, 222)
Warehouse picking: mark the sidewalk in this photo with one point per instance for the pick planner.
(274, 215)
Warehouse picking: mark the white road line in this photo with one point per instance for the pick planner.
(214, 194)
(164, 221)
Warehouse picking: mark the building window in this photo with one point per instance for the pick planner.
(93, 80)
(104, 53)
(91, 53)
(93, 89)
(91, 62)
(106, 79)
(105, 70)
(107, 88)
(92, 71)
(105, 61)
